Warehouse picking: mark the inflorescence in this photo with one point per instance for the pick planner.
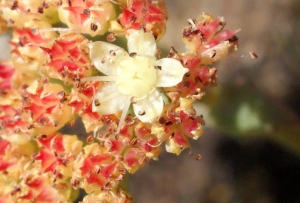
(131, 100)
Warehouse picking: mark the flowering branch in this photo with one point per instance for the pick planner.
(56, 75)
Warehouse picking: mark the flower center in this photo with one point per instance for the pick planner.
(136, 76)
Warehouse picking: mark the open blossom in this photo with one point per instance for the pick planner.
(133, 78)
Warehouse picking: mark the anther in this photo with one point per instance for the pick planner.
(195, 32)
(157, 67)
(65, 162)
(112, 52)
(222, 21)
(104, 60)
(168, 123)
(132, 54)
(11, 21)
(132, 19)
(45, 5)
(76, 82)
(94, 27)
(60, 176)
(122, 170)
(3, 91)
(14, 6)
(212, 54)
(188, 74)
(198, 157)
(62, 96)
(44, 136)
(98, 170)
(76, 182)
(129, 120)
(172, 135)
(158, 53)
(177, 120)
(86, 12)
(186, 84)
(59, 3)
(233, 39)
(90, 139)
(96, 102)
(162, 120)
(31, 126)
(133, 141)
(111, 37)
(40, 9)
(198, 80)
(193, 117)
(141, 113)
(43, 121)
(133, 100)
(253, 55)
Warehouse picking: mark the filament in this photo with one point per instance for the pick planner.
(54, 29)
(124, 112)
(100, 78)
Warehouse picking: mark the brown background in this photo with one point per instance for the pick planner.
(255, 170)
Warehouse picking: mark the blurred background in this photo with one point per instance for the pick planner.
(251, 147)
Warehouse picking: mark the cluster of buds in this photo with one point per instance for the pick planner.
(131, 103)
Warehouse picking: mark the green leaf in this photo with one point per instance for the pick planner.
(242, 112)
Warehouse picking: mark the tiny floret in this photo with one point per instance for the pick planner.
(133, 76)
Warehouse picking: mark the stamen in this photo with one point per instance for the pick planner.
(141, 113)
(124, 113)
(96, 102)
(154, 146)
(53, 29)
(96, 130)
(192, 23)
(133, 100)
(116, 2)
(157, 67)
(253, 55)
(100, 78)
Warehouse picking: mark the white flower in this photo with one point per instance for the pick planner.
(133, 78)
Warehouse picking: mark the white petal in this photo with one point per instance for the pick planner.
(149, 108)
(171, 72)
(141, 43)
(215, 53)
(106, 56)
(110, 99)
